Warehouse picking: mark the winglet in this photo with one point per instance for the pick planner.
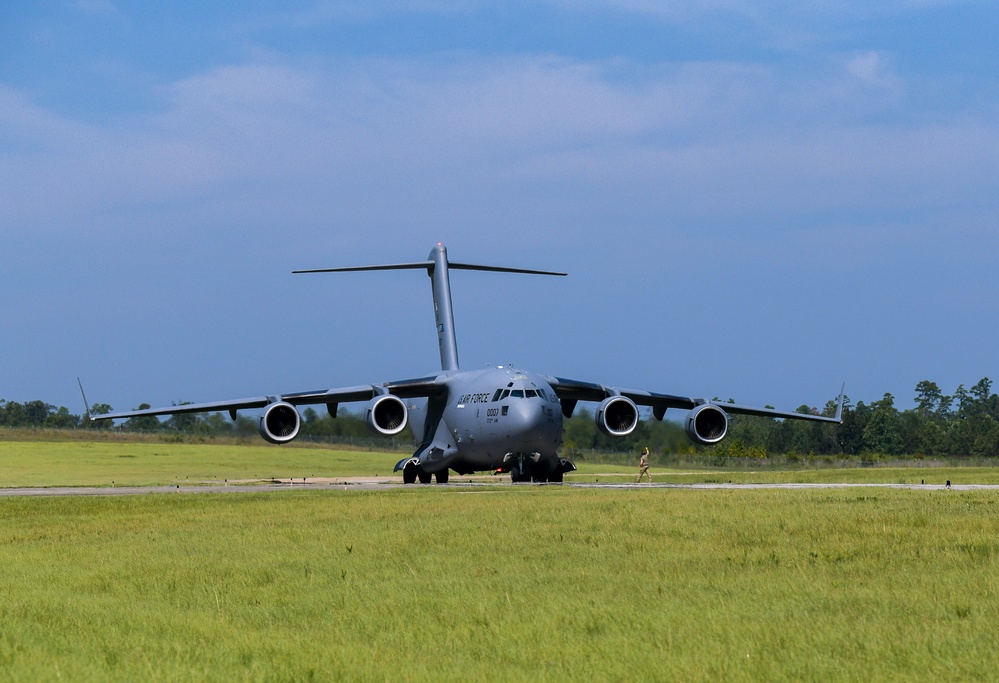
(839, 408)
(85, 404)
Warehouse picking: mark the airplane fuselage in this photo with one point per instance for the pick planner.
(495, 418)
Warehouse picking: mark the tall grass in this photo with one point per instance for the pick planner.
(521, 583)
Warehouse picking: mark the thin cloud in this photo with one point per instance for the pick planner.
(672, 138)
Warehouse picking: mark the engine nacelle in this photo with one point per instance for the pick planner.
(706, 424)
(387, 415)
(617, 416)
(280, 423)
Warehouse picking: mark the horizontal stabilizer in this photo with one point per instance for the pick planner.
(390, 266)
(426, 265)
(501, 269)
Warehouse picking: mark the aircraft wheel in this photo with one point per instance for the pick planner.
(442, 476)
(409, 474)
(425, 477)
(556, 477)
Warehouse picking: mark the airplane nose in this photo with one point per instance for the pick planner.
(524, 420)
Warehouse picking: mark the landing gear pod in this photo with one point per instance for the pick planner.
(387, 415)
(617, 416)
(280, 423)
(706, 424)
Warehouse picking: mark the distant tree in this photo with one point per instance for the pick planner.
(581, 432)
(345, 425)
(963, 400)
(778, 437)
(14, 415)
(183, 422)
(882, 433)
(930, 401)
(36, 412)
(215, 424)
(972, 425)
(910, 427)
(982, 392)
(244, 427)
(931, 438)
(143, 423)
(98, 409)
(62, 419)
(984, 404)
(986, 442)
(850, 434)
(752, 433)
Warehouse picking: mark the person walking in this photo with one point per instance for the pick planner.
(643, 466)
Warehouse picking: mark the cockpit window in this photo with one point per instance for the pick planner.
(520, 393)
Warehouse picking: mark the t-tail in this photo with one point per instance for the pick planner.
(437, 267)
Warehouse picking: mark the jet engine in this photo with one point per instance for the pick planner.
(279, 423)
(706, 424)
(617, 416)
(387, 415)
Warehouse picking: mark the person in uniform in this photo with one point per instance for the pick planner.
(643, 466)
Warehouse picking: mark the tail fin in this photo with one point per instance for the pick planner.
(437, 267)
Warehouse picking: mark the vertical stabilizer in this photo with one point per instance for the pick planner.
(442, 308)
(437, 266)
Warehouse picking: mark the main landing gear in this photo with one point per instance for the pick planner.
(518, 475)
(529, 468)
(411, 471)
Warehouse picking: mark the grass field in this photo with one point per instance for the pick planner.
(859, 475)
(72, 463)
(123, 463)
(499, 583)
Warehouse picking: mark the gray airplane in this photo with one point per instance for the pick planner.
(494, 419)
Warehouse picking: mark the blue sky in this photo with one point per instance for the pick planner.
(755, 200)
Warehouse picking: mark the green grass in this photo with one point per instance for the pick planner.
(61, 462)
(499, 583)
(519, 583)
(589, 472)
(72, 463)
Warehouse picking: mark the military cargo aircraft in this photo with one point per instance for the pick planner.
(498, 418)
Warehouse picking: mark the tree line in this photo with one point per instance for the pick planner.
(965, 423)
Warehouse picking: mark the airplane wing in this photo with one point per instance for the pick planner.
(570, 391)
(408, 388)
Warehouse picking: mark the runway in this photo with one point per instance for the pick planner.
(383, 484)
